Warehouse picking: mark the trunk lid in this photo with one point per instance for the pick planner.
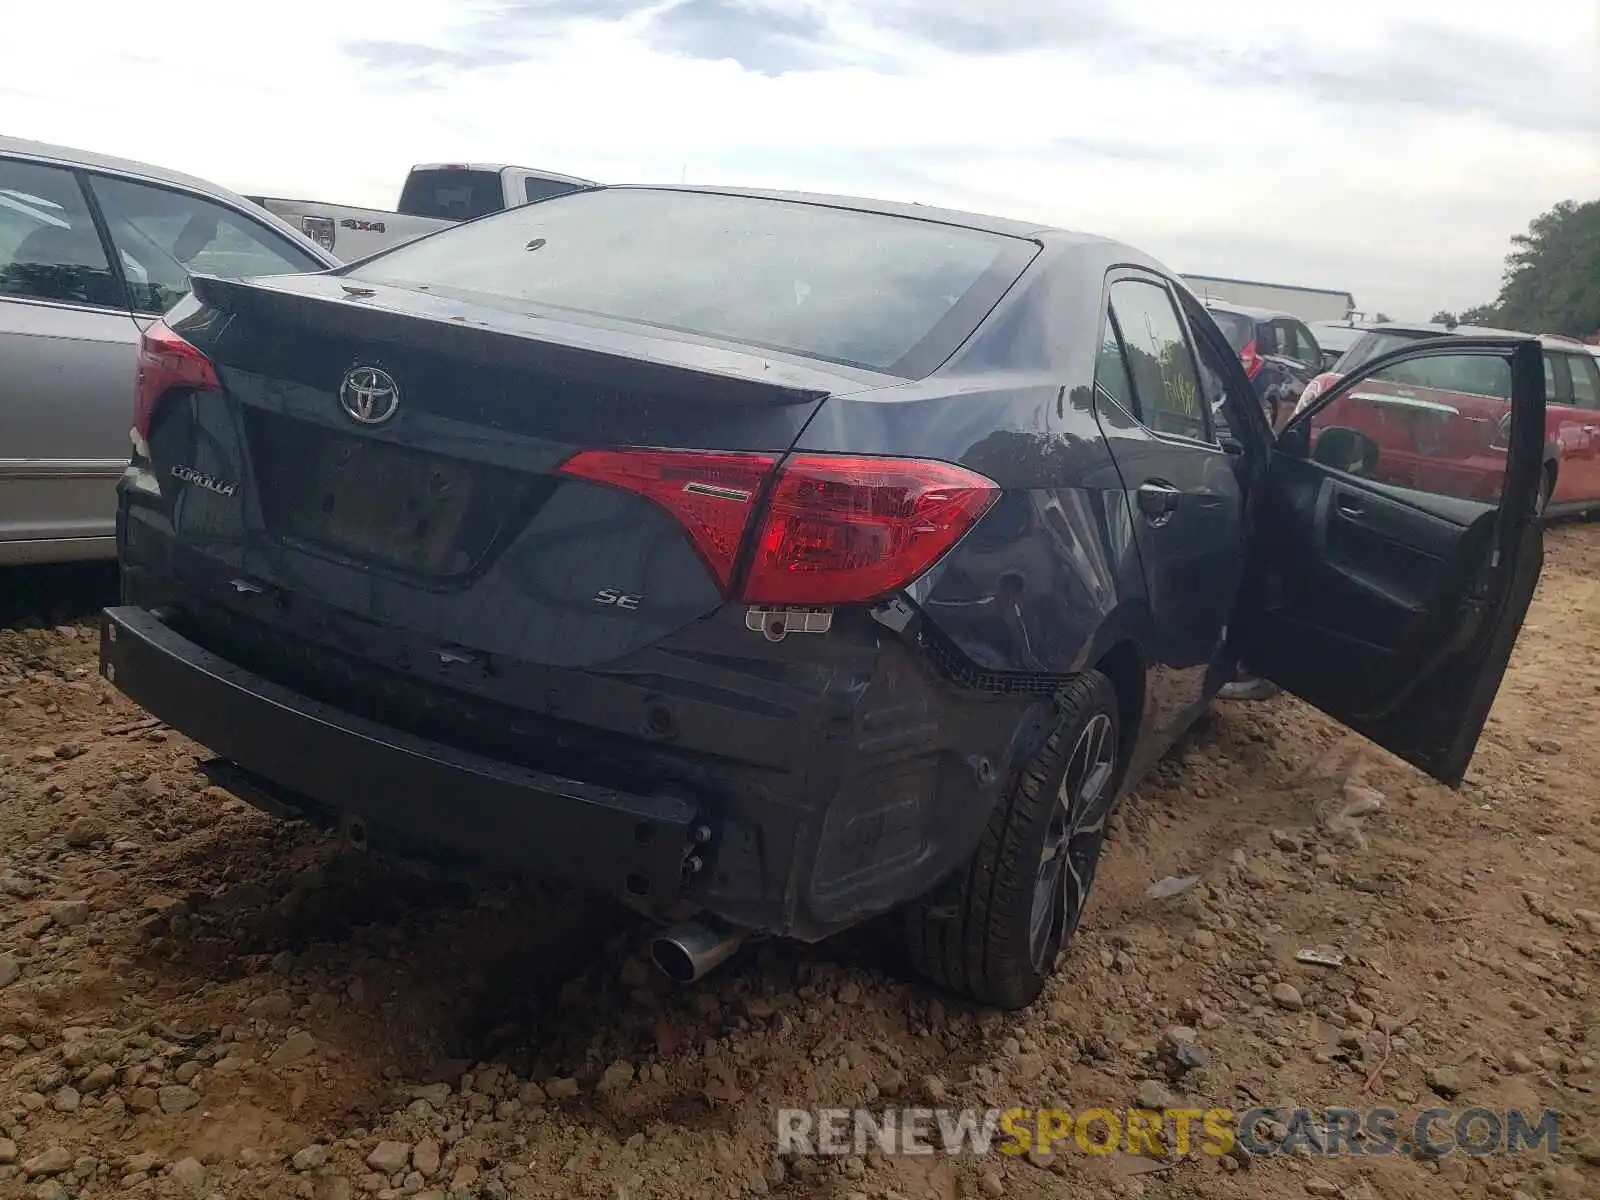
(395, 456)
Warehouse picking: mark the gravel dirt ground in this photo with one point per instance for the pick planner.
(197, 1000)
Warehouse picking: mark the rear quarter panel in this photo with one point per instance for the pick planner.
(1050, 578)
(1572, 437)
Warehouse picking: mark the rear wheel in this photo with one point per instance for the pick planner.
(997, 937)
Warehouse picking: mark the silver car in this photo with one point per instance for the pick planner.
(92, 251)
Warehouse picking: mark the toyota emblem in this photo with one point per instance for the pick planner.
(369, 395)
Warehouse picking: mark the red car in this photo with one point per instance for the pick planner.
(1439, 424)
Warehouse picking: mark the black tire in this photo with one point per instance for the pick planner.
(1547, 487)
(982, 936)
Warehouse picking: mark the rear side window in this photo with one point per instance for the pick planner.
(49, 247)
(889, 293)
(538, 188)
(1307, 351)
(1111, 370)
(1567, 381)
(1164, 377)
(1293, 341)
(1237, 328)
(163, 236)
(452, 194)
(1585, 380)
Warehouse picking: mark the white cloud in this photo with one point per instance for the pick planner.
(1388, 148)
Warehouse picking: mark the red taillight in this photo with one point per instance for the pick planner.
(836, 529)
(712, 495)
(1252, 360)
(166, 361)
(839, 530)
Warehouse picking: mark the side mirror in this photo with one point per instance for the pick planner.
(1346, 450)
(1295, 440)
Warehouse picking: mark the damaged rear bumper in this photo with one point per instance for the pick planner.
(292, 752)
(801, 793)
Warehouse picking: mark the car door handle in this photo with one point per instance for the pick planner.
(1351, 508)
(1157, 500)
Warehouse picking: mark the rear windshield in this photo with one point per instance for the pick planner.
(889, 293)
(452, 195)
(1370, 345)
(1239, 330)
(1335, 337)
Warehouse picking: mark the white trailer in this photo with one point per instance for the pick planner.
(1307, 303)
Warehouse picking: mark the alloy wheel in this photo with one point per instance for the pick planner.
(1072, 842)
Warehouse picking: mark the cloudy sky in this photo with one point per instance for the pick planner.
(1388, 147)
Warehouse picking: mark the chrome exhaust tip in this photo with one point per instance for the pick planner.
(691, 950)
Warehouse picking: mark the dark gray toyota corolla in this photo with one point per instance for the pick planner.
(772, 561)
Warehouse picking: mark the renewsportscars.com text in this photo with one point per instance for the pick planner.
(1260, 1132)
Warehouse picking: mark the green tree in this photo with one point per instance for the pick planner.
(1552, 279)
(1482, 315)
(1443, 317)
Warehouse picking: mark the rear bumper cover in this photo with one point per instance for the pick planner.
(628, 844)
(808, 790)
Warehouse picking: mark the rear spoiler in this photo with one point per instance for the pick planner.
(621, 356)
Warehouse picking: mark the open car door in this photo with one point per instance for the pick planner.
(1395, 545)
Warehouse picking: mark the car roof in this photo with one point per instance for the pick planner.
(1560, 341)
(1550, 341)
(1007, 226)
(1429, 327)
(1245, 310)
(106, 162)
(68, 156)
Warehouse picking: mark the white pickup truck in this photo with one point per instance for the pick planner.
(435, 195)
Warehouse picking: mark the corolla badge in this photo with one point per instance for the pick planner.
(369, 395)
(211, 483)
